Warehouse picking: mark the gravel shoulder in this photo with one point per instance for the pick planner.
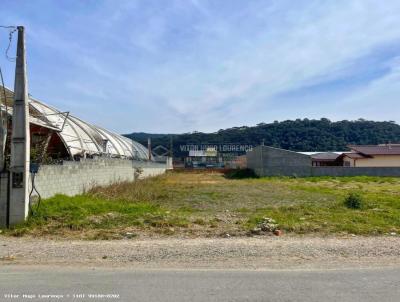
(285, 252)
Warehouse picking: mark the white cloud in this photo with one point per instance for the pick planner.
(205, 65)
(316, 42)
(379, 100)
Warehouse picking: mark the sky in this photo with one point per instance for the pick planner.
(174, 66)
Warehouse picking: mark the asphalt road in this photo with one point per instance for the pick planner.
(77, 284)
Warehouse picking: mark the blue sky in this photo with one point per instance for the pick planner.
(184, 65)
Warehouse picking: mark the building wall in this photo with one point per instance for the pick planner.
(240, 162)
(73, 178)
(329, 171)
(379, 161)
(268, 161)
(355, 171)
(349, 160)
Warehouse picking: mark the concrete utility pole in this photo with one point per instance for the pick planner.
(20, 139)
(149, 148)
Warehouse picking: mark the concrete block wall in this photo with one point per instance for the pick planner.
(268, 161)
(72, 178)
(328, 171)
(355, 171)
(285, 171)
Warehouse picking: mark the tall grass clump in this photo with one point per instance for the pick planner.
(354, 201)
(241, 174)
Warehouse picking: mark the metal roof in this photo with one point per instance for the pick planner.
(318, 152)
(79, 137)
(325, 156)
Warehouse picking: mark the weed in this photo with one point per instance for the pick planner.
(354, 201)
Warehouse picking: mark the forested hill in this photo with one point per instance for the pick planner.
(297, 135)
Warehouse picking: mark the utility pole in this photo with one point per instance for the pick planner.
(149, 148)
(170, 159)
(20, 139)
(171, 147)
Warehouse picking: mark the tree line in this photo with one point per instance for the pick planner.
(296, 135)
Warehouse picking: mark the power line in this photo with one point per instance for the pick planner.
(12, 30)
(4, 115)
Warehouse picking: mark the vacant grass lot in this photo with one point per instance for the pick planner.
(207, 204)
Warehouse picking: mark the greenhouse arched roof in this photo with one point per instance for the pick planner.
(79, 137)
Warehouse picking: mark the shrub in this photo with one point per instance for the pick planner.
(240, 174)
(354, 201)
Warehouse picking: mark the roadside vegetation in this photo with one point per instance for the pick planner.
(211, 205)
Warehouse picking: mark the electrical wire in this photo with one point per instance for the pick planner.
(33, 188)
(12, 30)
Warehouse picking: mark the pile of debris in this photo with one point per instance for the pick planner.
(267, 225)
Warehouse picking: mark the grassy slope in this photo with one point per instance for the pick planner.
(210, 205)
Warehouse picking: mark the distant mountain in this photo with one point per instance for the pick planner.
(295, 135)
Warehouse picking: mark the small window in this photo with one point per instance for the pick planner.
(346, 163)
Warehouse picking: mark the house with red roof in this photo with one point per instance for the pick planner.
(387, 155)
